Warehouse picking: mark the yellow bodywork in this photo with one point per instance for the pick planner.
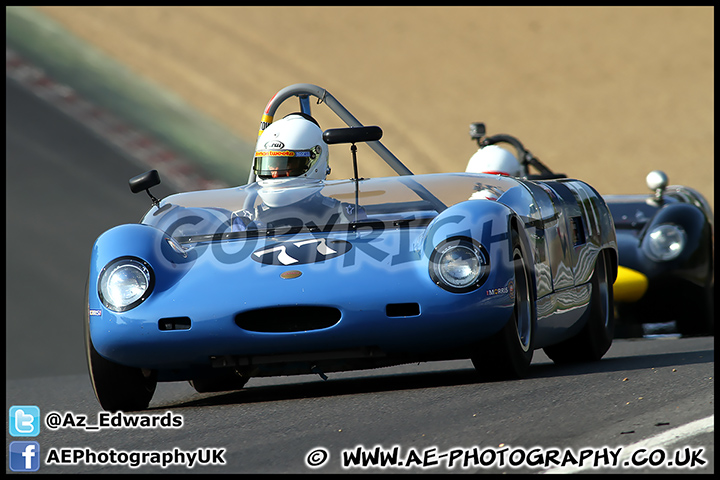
(630, 285)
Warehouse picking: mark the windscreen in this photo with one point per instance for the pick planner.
(319, 206)
(630, 211)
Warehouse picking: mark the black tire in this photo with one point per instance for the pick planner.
(508, 353)
(596, 336)
(117, 387)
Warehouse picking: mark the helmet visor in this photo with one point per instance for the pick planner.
(282, 163)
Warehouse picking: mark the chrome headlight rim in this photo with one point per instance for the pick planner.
(113, 267)
(656, 246)
(438, 267)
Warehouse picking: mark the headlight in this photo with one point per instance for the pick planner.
(459, 265)
(125, 283)
(665, 242)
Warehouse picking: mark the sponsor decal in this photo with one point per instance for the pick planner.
(275, 153)
(274, 144)
(95, 313)
(509, 289)
(496, 291)
(290, 274)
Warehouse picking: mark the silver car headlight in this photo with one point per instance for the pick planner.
(665, 242)
(125, 283)
(459, 265)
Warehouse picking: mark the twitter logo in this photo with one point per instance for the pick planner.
(24, 421)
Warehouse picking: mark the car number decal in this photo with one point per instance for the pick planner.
(300, 252)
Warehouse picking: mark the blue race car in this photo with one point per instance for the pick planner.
(282, 277)
(665, 242)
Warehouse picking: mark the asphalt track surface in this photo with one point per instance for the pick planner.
(65, 186)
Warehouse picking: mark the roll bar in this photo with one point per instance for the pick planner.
(303, 91)
(526, 158)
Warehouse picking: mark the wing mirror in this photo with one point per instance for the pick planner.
(352, 135)
(145, 181)
(656, 181)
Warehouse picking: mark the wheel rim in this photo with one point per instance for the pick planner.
(523, 314)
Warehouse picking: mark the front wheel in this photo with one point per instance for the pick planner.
(595, 339)
(508, 353)
(117, 387)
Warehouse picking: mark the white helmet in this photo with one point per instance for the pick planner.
(494, 160)
(292, 147)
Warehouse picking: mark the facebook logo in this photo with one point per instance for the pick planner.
(24, 421)
(24, 456)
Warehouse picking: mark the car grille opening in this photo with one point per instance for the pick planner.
(402, 309)
(288, 319)
(174, 323)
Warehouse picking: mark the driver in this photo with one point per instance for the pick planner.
(494, 160)
(291, 163)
